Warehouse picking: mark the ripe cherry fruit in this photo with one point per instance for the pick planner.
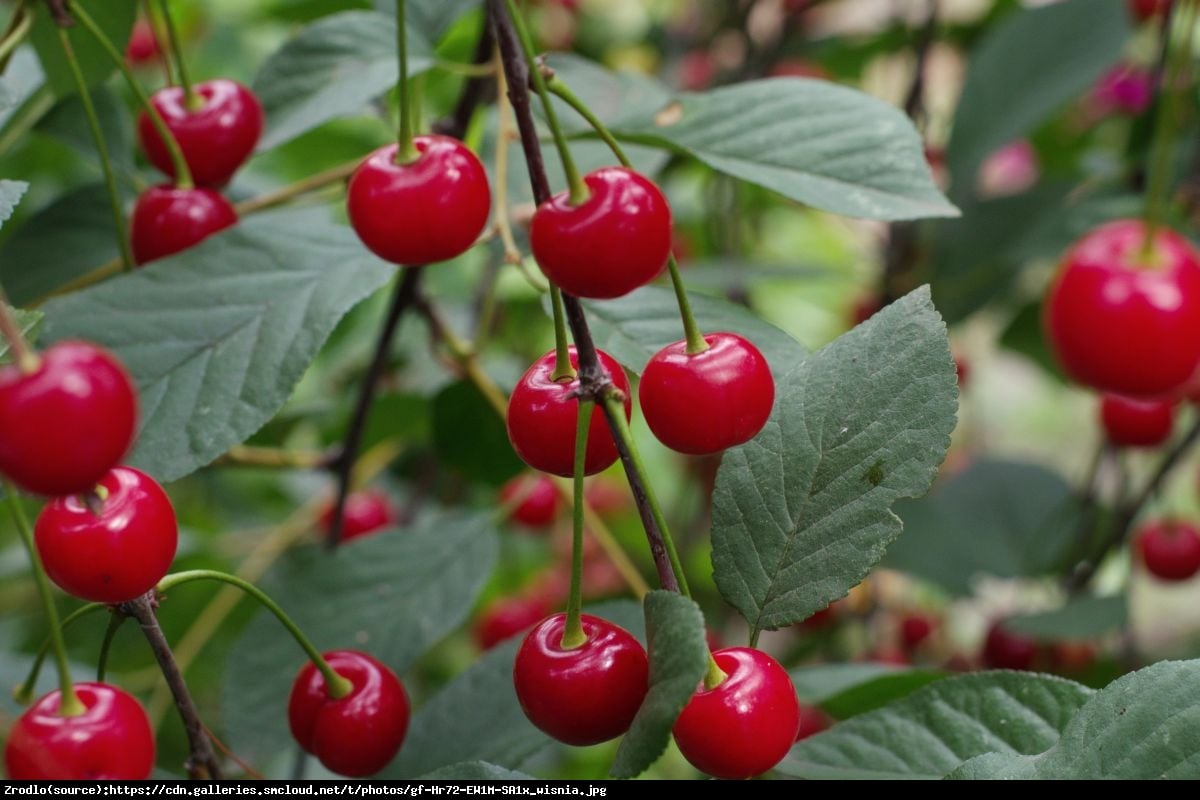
(1130, 422)
(1169, 549)
(1143, 10)
(167, 220)
(746, 724)
(915, 628)
(80, 401)
(812, 721)
(1005, 649)
(356, 735)
(114, 550)
(368, 511)
(508, 616)
(216, 137)
(430, 210)
(543, 413)
(1124, 320)
(538, 505)
(585, 695)
(110, 741)
(142, 48)
(610, 244)
(710, 401)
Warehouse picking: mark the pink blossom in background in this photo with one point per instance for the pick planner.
(1124, 89)
(1010, 170)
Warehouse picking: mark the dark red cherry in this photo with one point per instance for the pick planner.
(1005, 649)
(167, 220)
(746, 724)
(1125, 321)
(356, 735)
(538, 505)
(367, 511)
(64, 426)
(587, 694)
(430, 210)
(610, 244)
(710, 401)
(1143, 10)
(216, 137)
(1130, 422)
(116, 551)
(915, 628)
(812, 721)
(110, 741)
(1169, 549)
(508, 616)
(542, 415)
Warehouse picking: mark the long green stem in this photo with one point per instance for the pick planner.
(24, 692)
(23, 354)
(573, 635)
(110, 177)
(577, 191)
(156, 29)
(191, 100)
(69, 704)
(1178, 40)
(335, 684)
(562, 353)
(22, 22)
(183, 175)
(406, 152)
(110, 633)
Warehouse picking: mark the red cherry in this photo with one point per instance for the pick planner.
(915, 628)
(696, 71)
(1004, 649)
(962, 368)
(610, 244)
(585, 695)
(64, 426)
(215, 138)
(812, 721)
(1143, 10)
(798, 68)
(507, 617)
(356, 735)
(819, 620)
(110, 741)
(864, 308)
(542, 415)
(746, 724)
(113, 554)
(1169, 549)
(538, 507)
(167, 220)
(368, 511)
(420, 213)
(608, 497)
(710, 401)
(1123, 322)
(1130, 422)
(1072, 657)
(143, 44)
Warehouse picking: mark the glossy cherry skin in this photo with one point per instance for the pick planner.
(431, 210)
(539, 503)
(1169, 549)
(508, 616)
(167, 220)
(610, 244)
(1005, 649)
(216, 138)
(705, 403)
(1121, 327)
(64, 426)
(1130, 422)
(543, 413)
(746, 724)
(586, 695)
(356, 735)
(115, 555)
(110, 741)
(366, 512)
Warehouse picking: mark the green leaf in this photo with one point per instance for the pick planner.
(471, 437)
(431, 17)
(11, 193)
(995, 767)
(67, 123)
(475, 771)
(69, 238)
(816, 684)
(997, 518)
(814, 142)
(635, 327)
(934, 730)
(1081, 618)
(333, 68)
(884, 689)
(803, 511)
(217, 337)
(29, 320)
(114, 17)
(393, 594)
(620, 99)
(678, 660)
(1028, 67)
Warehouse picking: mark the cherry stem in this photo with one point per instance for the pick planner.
(715, 676)
(18, 29)
(191, 100)
(463, 354)
(406, 153)
(23, 694)
(695, 338)
(577, 190)
(573, 635)
(24, 356)
(1177, 49)
(244, 455)
(335, 684)
(115, 621)
(110, 178)
(69, 704)
(563, 371)
(183, 175)
(156, 29)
